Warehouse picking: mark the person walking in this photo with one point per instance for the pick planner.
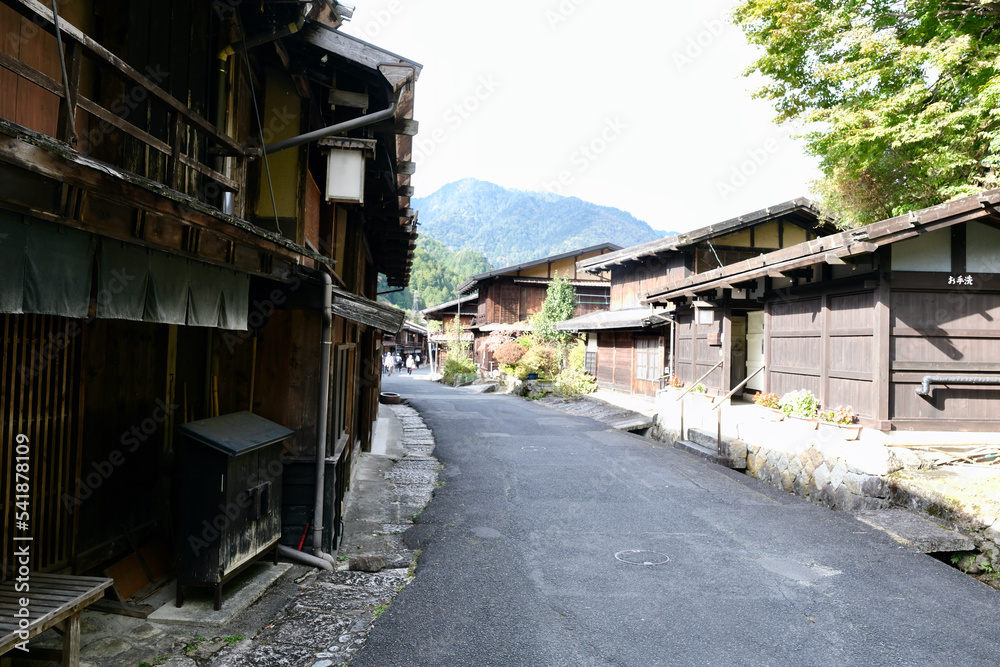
(410, 364)
(387, 364)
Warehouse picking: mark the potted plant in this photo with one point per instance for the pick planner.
(768, 406)
(674, 387)
(700, 392)
(800, 405)
(840, 421)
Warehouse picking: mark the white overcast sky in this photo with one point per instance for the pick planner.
(635, 104)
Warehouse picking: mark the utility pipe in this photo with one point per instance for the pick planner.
(321, 417)
(925, 384)
(337, 128)
(304, 558)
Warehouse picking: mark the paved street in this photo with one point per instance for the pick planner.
(555, 541)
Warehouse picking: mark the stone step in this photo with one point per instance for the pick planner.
(635, 422)
(732, 452)
(702, 451)
(916, 532)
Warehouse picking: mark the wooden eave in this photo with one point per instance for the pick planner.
(395, 69)
(513, 270)
(836, 248)
(800, 211)
(47, 179)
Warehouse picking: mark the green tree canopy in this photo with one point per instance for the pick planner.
(559, 304)
(436, 273)
(898, 98)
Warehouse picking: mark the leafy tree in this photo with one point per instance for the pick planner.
(899, 98)
(436, 273)
(559, 304)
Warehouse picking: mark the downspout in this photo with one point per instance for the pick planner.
(346, 126)
(324, 409)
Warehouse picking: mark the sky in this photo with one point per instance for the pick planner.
(635, 104)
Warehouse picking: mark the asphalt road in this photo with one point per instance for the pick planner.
(555, 541)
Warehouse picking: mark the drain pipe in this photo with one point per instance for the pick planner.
(304, 558)
(321, 417)
(347, 125)
(925, 384)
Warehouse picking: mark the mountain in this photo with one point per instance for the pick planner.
(514, 226)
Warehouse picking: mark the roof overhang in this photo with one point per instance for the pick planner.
(836, 248)
(802, 207)
(631, 318)
(496, 273)
(365, 311)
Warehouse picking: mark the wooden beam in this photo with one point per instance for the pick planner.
(39, 11)
(344, 98)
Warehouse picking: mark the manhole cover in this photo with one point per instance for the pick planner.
(640, 557)
(533, 448)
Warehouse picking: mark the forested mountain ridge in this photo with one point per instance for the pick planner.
(437, 272)
(514, 226)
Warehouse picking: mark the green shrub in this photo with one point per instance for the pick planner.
(541, 359)
(458, 369)
(575, 381)
(799, 403)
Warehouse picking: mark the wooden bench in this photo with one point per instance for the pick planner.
(54, 600)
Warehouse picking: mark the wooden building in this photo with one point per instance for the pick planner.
(896, 319)
(411, 339)
(196, 200)
(508, 297)
(463, 309)
(631, 347)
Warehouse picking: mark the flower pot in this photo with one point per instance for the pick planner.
(770, 414)
(532, 376)
(841, 431)
(810, 423)
(700, 398)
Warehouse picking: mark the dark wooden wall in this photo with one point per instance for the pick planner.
(951, 333)
(40, 371)
(124, 393)
(697, 351)
(630, 282)
(616, 363)
(824, 343)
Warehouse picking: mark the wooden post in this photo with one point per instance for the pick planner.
(71, 641)
(882, 340)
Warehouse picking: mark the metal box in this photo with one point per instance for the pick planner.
(230, 472)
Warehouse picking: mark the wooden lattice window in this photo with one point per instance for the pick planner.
(648, 358)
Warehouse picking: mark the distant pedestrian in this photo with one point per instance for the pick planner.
(410, 365)
(399, 362)
(387, 364)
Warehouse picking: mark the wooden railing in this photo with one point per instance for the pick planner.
(205, 143)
